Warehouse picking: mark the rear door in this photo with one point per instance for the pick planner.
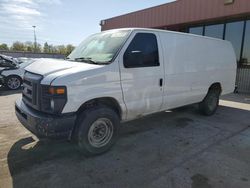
(142, 74)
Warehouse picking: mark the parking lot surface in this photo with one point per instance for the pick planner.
(176, 149)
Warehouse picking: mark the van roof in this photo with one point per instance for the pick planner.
(167, 31)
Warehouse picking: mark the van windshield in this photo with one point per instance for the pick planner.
(99, 48)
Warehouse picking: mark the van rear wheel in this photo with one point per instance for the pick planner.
(97, 130)
(210, 103)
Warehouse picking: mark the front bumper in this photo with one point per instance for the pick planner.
(43, 125)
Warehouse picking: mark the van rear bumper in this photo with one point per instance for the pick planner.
(44, 125)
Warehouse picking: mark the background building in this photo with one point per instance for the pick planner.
(224, 19)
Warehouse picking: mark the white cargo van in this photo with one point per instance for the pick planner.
(120, 75)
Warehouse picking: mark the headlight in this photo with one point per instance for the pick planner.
(54, 99)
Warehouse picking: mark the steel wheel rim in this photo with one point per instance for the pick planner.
(100, 132)
(13, 83)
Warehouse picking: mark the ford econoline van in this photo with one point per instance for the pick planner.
(120, 75)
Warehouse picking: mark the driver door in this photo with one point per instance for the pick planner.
(142, 74)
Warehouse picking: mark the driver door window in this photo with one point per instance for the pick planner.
(142, 51)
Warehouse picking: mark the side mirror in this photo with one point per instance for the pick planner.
(133, 59)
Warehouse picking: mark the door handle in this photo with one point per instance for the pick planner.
(161, 82)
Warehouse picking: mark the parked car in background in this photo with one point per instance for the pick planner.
(7, 62)
(12, 71)
(23, 59)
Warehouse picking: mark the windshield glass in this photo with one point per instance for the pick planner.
(99, 48)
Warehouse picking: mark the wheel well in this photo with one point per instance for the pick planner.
(14, 75)
(215, 86)
(107, 101)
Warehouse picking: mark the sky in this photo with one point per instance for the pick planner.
(61, 21)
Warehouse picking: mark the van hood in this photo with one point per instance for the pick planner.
(45, 67)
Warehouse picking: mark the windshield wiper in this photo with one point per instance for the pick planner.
(69, 59)
(85, 59)
(89, 60)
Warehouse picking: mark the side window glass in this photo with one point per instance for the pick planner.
(142, 51)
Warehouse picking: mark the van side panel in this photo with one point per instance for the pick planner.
(192, 65)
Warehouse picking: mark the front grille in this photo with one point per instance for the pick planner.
(31, 89)
(45, 99)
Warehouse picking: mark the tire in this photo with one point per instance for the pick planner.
(97, 130)
(13, 82)
(210, 103)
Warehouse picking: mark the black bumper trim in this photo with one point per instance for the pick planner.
(43, 125)
(2, 80)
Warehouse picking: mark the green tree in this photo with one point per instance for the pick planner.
(18, 46)
(38, 48)
(61, 49)
(4, 47)
(29, 46)
(52, 49)
(69, 49)
(46, 48)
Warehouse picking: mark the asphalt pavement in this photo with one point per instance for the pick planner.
(177, 149)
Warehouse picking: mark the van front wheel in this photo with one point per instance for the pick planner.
(210, 103)
(97, 130)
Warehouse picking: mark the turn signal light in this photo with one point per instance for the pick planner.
(57, 91)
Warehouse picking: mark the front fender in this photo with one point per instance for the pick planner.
(92, 84)
(78, 95)
(13, 72)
